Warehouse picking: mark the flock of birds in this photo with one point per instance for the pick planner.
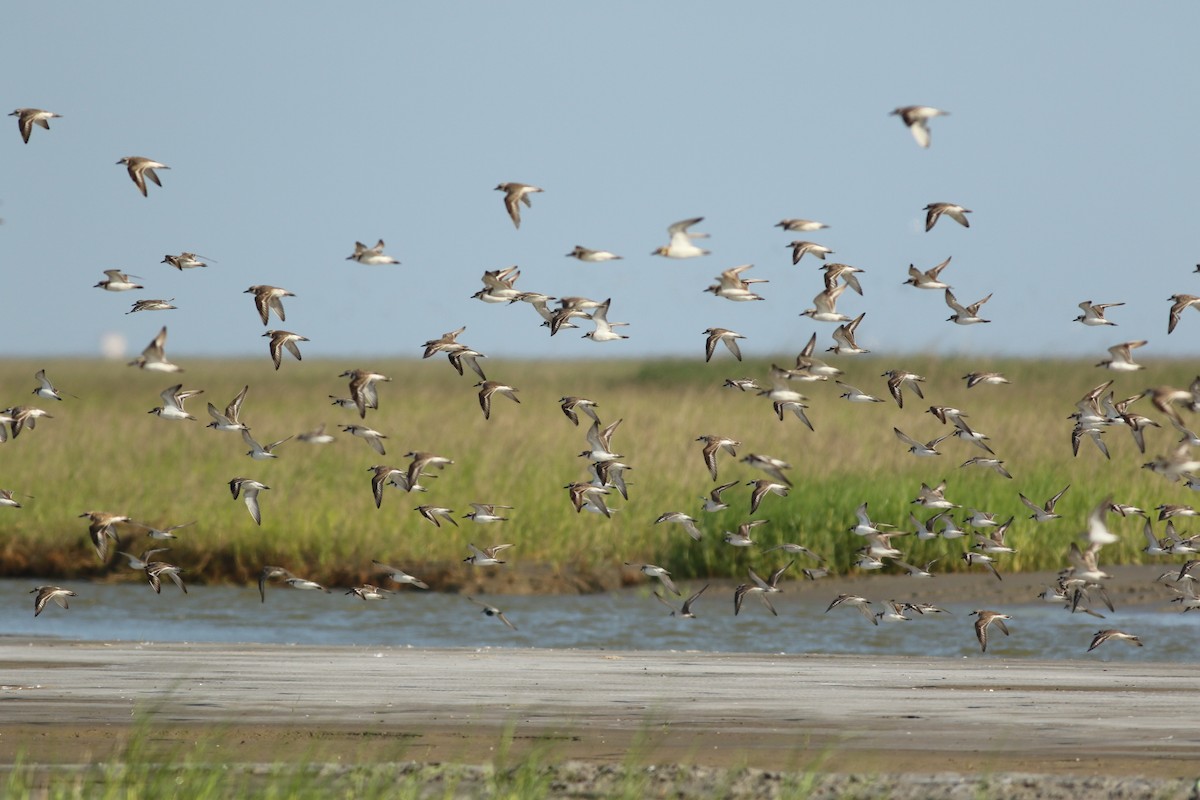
(1080, 585)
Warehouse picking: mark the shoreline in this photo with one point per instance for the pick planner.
(68, 703)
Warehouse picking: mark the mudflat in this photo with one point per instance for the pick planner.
(71, 702)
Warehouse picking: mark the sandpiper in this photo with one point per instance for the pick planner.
(845, 273)
(844, 341)
(1093, 313)
(21, 417)
(117, 281)
(6, 499)
(934, 212)
(854, 601)
(732, 286)
(795, 549)
(267, 574)
(46, 388)
(825, 305)
(487, 389)
(973, 558)
(173, 398)
(761, 487)
(485, 557)
(315, 436)
(680, 245)
(486, 512)
(447, 341)
(856, 395)
(929, 278)
(800, 225)
(436, 514)
(47, 593)
(1122, 360)
(469, 357)
(282, 339)
(492, 611)
(801, 248)
(571, 404)
(986, 619)
(712, 444)
(592, 256)
(917, 119)
(28, 117)
(399, 575)
(760, 587)
(1179, 304)
(713, 502)
(686, 611)
(249, 489)
(184, 261)
(151, 305)
(101, 528)
(155, 570)
(657, 572)
(722, 335)
(741, 537)
(369, 591)
(1103, 636)
(163, 533)
(688, 523)
(965, 315)
(604, 329)
(372, 256)
(1045, 512)
(140, 169)
(770, 465)
(268, 299)
(994, 464)
(229, 421)
(372, 437)
(153, 358)
(514, 195)
(896, 380)
(974, 379)
(362, 389)
(261, 452)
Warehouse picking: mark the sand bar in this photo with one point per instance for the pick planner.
(70, 702)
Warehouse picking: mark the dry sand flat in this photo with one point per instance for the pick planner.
(65, 702)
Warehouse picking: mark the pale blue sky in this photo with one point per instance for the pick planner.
(293, 129)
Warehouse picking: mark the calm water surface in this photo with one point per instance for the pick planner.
(626, 620)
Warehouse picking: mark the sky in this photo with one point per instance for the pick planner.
(294, 129)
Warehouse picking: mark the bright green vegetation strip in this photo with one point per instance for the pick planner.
(102, 451)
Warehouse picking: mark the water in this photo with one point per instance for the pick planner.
(626, 620)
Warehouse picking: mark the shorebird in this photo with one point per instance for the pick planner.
(972, 558)
(140, 169)
(282, 339)
(155, 570)
(499, 286)
(760, 587)
(844, 272)
(1093, 313)
(28, 117)
(261, 452)
(267, 574)
(6, 499)
(249, 489)
(398, 575)
(994, 464)
(373, 256)
(173, 398)
(1044, 513)
(929, 278)
(1122, 360)
(916, 118)
(896, 380)
(844, 341)
(592, 256)
(732, 286)
(1179, 304)
(934, 497)
(304, 584)
(600, 441)
(825, 305)
(421, 460)
(810, 368)
(372, 436)
(965, 315)
(485, 557)
(445, 343)
(686, 611)
(795, 549)
(722, 335)
(163, 533)
(915, 571)
(467, 356)
(316, 436)
(713, 444)
(268, 299)
(184, 261)
(46, 388)
(229, 421)
(934, 212)
(486, 512)
(713, 502)
(151, 305)
(369, 592)
(854, 601)
(800, 225)
(974, 379)
(604, 329)
(688, 523)
(921, 449)
(772, 466)
(153, 358)
(362, 388)
(101, 528)
(571, 404)
(117, 281)
(761, 487)
(589, 496)
(741, 537)
(657, 572)
(21, 417)
(514, 195)
(436, 514)
(492, 611)
(865, 526)
(801, 248)
(856, 395)
(1103, 636)
(986, 619)
(47, 593)
(489, 388)
(680, 245)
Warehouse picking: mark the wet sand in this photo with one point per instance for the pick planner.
(71, 703)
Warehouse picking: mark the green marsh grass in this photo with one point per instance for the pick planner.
(103, 451)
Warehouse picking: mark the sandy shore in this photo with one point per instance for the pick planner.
(66, 702)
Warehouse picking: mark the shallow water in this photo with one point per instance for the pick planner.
(626, 620)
